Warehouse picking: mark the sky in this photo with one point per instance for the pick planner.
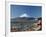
(32, 11)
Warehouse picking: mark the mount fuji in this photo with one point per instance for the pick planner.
(24, 15)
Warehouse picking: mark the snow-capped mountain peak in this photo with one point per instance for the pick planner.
(24, 15)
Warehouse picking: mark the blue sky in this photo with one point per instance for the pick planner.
(17, 10)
